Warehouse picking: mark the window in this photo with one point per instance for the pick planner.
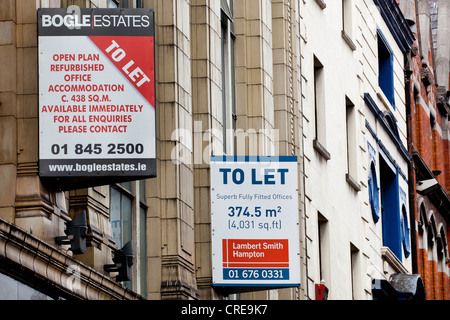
(386, 68)
(319, 110)
(391, 123)
(445, 127)
(120, 213)
(374, 192)
(11, 289)
(347, 28)
(113, 3)
(355, 271)
(390, 208)
(347, 16)
(324, 248)
(352, 144)
(125, 3)
(405, 232)
(434, 142)
(128, 222)
(228, 77)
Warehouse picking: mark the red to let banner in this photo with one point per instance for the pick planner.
(134, 57)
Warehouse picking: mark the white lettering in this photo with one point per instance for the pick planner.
(59, 23)
(112, 46)
(194, 310)
(46, 21)
(136, 75)
(70, 21)
(76, 20)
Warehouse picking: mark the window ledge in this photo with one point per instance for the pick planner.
(392, 260)
(348, 40)
(353, 183)
(321, 150)
(384, 99)
(322, 4)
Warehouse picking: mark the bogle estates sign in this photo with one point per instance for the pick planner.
(96, 95)
(255, 221)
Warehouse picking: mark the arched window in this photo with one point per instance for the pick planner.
(406, 243)
(374, 190)
(390, 120)
(443, 242)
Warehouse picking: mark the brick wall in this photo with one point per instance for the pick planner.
(429, 139)
(447, 164)
(423, 135)
(436, 283)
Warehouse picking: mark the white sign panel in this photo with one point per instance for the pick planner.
(255, 221)
(97, 93)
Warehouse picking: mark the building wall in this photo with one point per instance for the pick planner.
(352, 232)
(383, 141)
(429, 143)
(30, 207)
(325, 165)
(433, 260)
(189, 91)
(285, 61)
(266, 110)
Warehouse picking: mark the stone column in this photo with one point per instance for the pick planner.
(8, 109)
(287, 81)
(170, 195)
(254, 76)
(207, 114)
(286, 60)
(423, 13)
(24, 199)
(442, 66)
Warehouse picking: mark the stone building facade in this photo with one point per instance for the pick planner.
(320, 80)
(355, 146)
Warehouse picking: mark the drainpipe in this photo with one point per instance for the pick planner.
(302, 179)
(411, 166)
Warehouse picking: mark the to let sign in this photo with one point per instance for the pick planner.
(96, 96)
(255, 221)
